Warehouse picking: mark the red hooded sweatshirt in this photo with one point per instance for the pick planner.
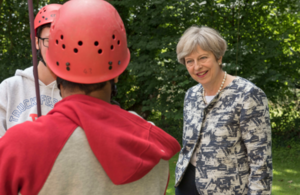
(126, 146)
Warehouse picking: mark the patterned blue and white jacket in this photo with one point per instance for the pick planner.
(232, 140)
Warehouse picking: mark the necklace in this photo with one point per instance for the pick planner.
(221, 87)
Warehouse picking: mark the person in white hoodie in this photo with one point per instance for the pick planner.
(17, 93)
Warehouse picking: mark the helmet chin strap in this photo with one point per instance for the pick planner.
(41, 57)
(39, 54)
(114, 92)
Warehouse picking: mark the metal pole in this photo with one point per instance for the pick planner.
(34, 57)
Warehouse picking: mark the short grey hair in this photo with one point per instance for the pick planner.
(207, 38)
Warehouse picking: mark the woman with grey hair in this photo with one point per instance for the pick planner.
(226, 133)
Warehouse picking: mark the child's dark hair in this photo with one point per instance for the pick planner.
(40, 29)
(87, 88)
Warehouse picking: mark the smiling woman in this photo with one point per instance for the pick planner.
(226, 133)
(202, 50)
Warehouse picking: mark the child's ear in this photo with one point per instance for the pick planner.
(116, 79)
(37, 43)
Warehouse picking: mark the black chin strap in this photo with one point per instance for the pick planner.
(58, 85)
(39, 54)
(114, 92)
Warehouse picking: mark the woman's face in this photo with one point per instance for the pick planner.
(203, 66)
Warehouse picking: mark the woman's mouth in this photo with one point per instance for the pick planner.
(201, 74)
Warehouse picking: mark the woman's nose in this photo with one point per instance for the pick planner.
(198, 65)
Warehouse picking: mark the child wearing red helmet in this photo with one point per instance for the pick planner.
(17, 97)
(86, 145)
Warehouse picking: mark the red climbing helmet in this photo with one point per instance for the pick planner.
(87, 42)
(46, 15)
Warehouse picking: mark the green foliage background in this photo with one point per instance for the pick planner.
(263, 47)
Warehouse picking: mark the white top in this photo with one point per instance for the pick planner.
(194, 158)
(209, 98)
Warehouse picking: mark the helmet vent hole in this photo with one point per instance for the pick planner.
(61, 37)
(76, 50)
(63, 46)
(113, 37)
(119, 62)
(43, 16)
(111, 47)
(68, 68)
(39, 21)
(96, 43)
(80, 43)
(56, 41)
(100, 51)
(46, 18)
(119, 42)
(57, 63)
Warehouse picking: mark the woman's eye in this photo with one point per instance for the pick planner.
(189, 61)
(203, 58)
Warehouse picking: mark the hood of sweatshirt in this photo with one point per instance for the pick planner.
(28, 73)
(126, 146)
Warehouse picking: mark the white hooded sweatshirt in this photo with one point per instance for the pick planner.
(18, 99)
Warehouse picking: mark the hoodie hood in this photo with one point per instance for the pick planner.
(126, 146)
(28, 73)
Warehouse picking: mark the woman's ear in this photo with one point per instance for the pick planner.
(220, 60)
